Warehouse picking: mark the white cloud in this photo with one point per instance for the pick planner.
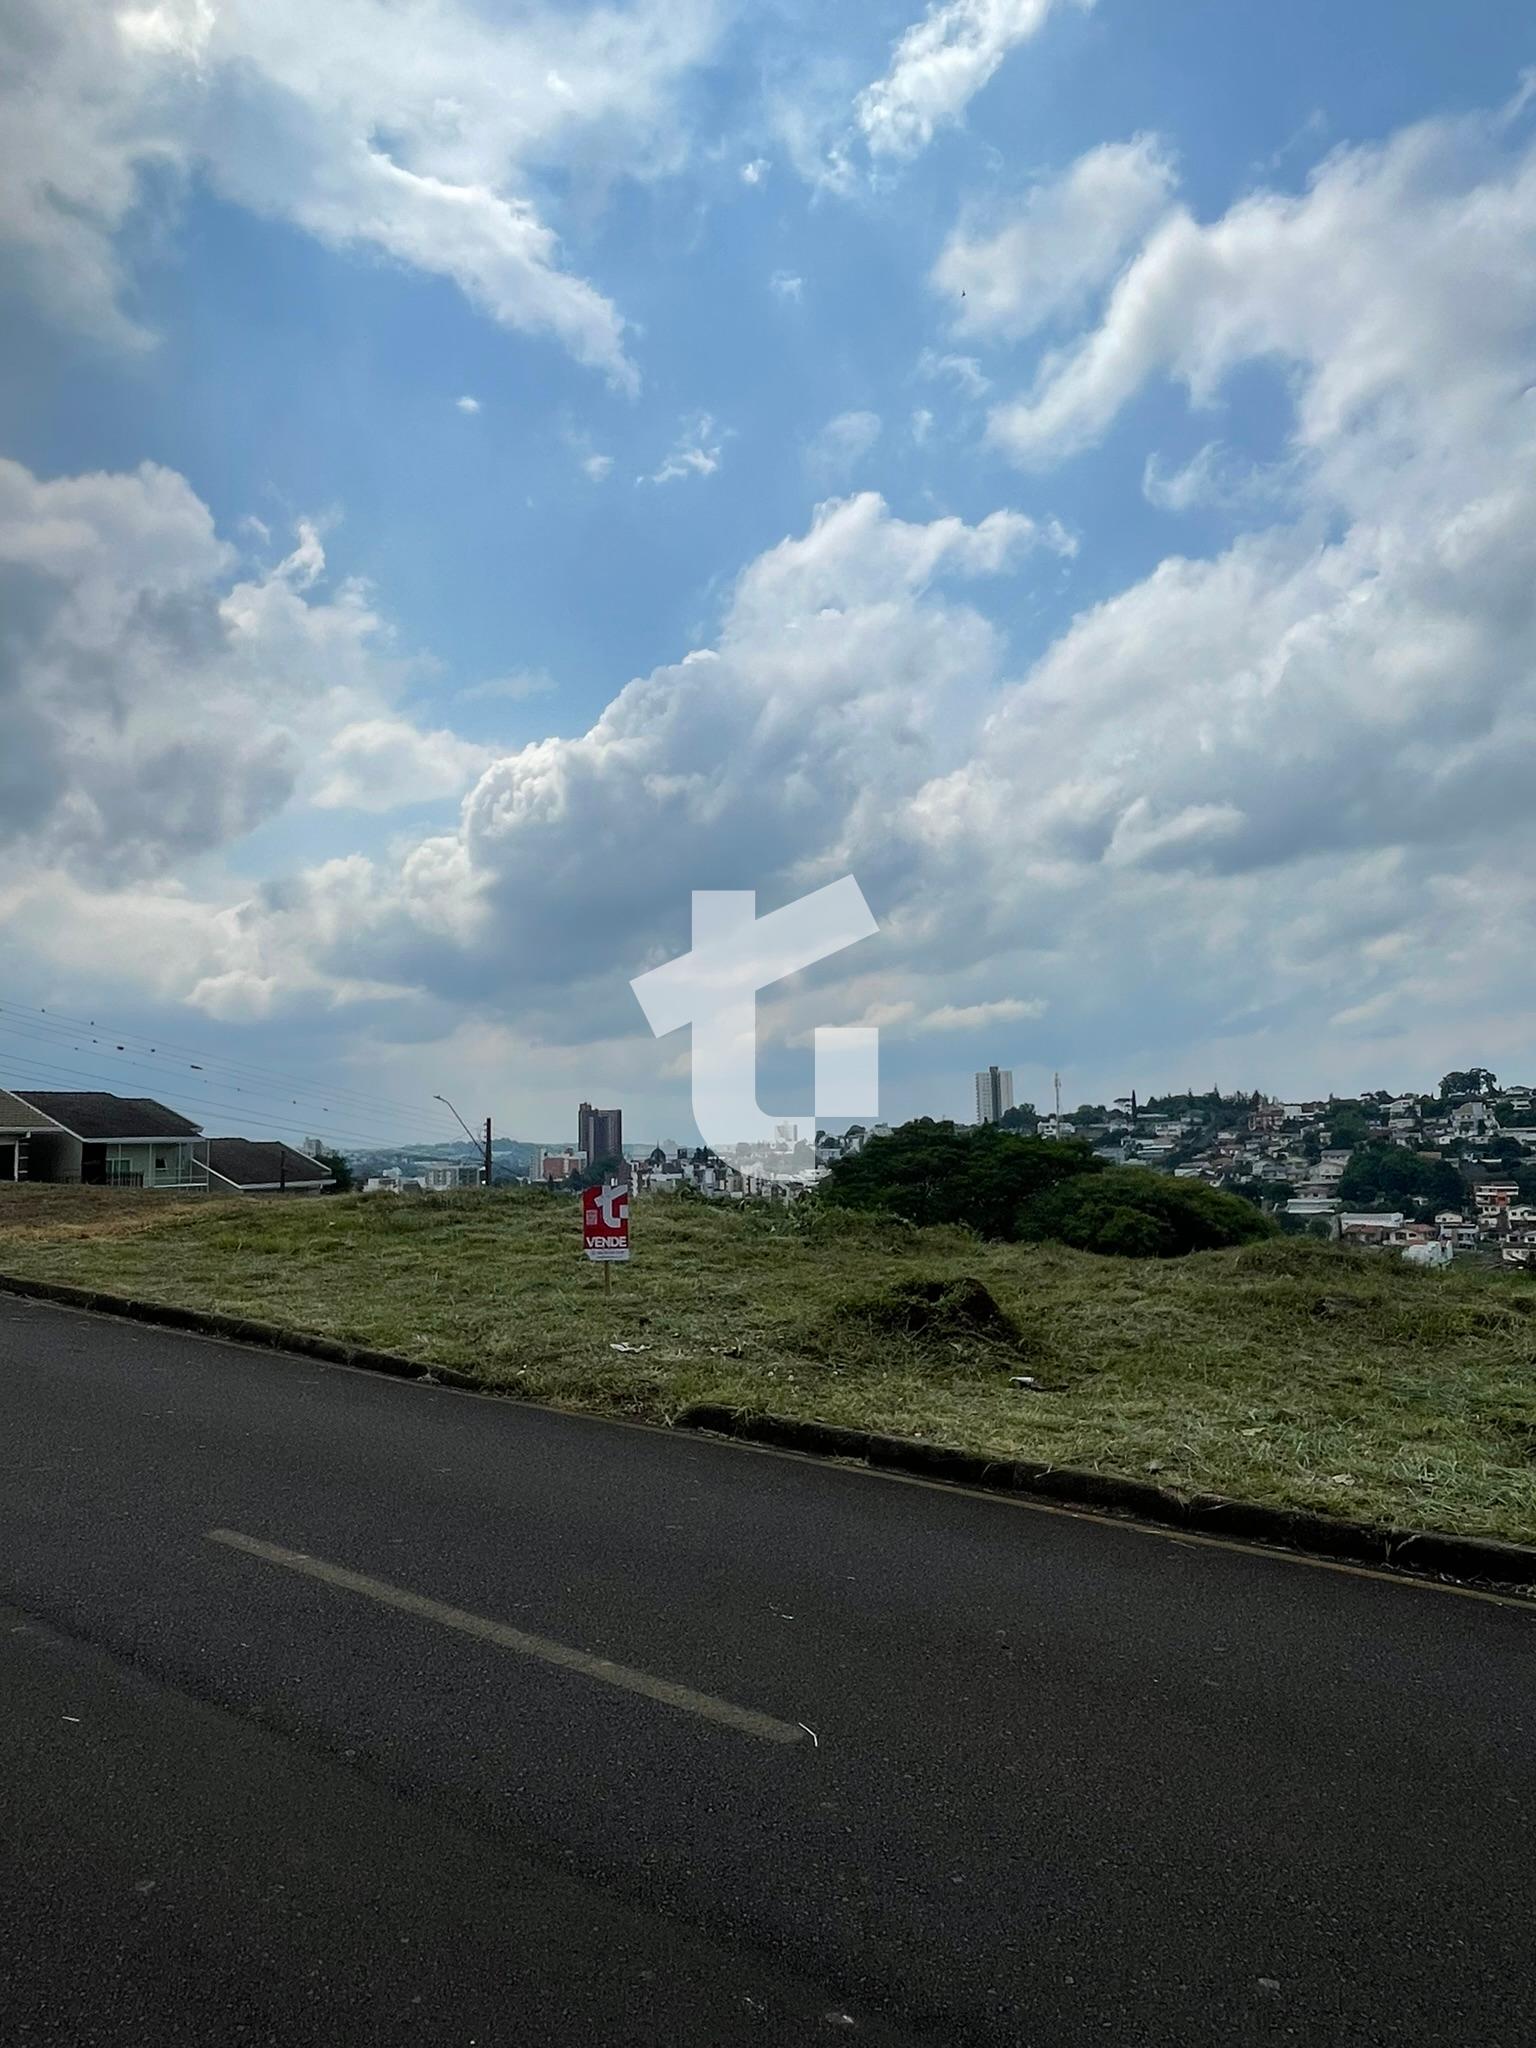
(887, 1016)
(696, 452)
(1215, 476)
(753, 173)
(81, 112)
(963, 372)
(1371, 287)
(939, 65)
(785, 285)
(1217, 789)
(512, 689)
(414, 131)
(1015, 270)
(158, 700)
(1276, 757)
(921, 425)
(382, 764)
(843, 443)
(593, 464)
(975, 1016)
(467, 404)
(843, 672)
(1241, 796)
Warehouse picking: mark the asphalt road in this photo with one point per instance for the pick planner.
(481, 1724)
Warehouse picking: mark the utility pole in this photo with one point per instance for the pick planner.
(464, 1127)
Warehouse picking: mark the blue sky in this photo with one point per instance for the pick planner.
(490, 358)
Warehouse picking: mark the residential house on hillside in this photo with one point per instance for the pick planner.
(242, 1166)
(18, 1121)
(1472, 1120)
(115, 1141)
(1373, 1229)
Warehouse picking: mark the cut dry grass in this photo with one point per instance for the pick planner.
(1291, 1373)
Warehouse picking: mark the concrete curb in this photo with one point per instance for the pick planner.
(239, 1329)
(1478, 1558)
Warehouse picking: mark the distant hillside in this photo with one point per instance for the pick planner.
(510, 1157)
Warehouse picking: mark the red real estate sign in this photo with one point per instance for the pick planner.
(605, 1222)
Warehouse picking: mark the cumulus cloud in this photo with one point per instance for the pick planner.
(416, 131)
(1014, 270)
(161, 699)
(82, 124)
(1309, 738)
(467, 404)
(382, 764)
(845, 668)
(784, 284)
(1372, 287)
(1231, 783)
(1246, 793)
(939, 65)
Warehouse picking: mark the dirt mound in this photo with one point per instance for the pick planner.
(959, 1311)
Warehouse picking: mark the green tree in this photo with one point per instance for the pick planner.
(1022, 1117)
(1474, 1081)
(933, 1172)
(1350, 1126)
(1391, 1177)
(1130, 1213)
(339, 1171)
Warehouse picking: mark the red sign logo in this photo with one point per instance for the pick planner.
(605, 1222)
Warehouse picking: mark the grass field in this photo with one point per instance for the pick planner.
(1289, 1372)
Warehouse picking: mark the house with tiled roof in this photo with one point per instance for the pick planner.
(115, 1141)
(246, 1166)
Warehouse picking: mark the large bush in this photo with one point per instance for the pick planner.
(935, 1173)
(1136, 1213)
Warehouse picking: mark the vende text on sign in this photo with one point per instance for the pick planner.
(605, 1222)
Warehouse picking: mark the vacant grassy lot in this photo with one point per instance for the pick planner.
(1288, 1372)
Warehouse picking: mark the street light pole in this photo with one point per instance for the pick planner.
(475, 1141)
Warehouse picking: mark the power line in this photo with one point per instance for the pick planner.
(231, 1074)
(306, 1102)
(104, 1068)
(60, 1025)
(50, 1075)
